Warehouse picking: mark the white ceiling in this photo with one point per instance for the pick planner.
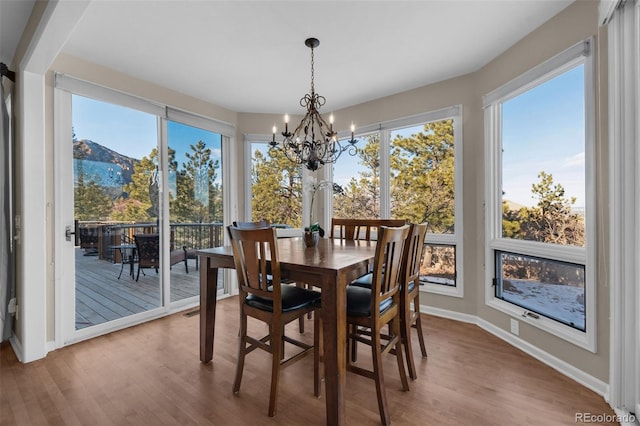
(250, 56)
(13, 18)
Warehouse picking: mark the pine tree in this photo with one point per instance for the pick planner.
(422, 177)
(277, 189)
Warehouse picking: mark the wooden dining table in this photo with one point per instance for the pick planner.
(330, 266)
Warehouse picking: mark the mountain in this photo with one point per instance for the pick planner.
(98, 154)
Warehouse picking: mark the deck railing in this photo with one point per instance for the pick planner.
(101, 237)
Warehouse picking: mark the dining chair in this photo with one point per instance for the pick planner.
(360, 229)
(409, 293)
(264, 223)
(267, 300)
(371, 309)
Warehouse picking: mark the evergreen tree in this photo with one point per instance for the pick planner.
(360, 198)
(91, 201)
(277, 189)
(552, 220)
(138, 206)
(198, 183)
(422, 177)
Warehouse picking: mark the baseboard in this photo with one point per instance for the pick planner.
(596, 385)
(625, 418)
(17, 347)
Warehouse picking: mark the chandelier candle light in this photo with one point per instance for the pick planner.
(313, 143)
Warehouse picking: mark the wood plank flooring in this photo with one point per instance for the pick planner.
(102, 297)
(150, 374)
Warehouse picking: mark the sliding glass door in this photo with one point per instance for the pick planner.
(115, 206)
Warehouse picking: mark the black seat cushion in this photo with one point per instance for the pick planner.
(359, 302)
(365, 281)
(292, 298)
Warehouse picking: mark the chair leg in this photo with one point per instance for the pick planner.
(353, 343)
(396, 332)
(416, 308)
(405, 333)
(276, 358)
(138, 276)
(317, 352)
(378, 377)
(301, 318)
(241, 353)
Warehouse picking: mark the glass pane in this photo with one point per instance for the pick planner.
(115, 161)
(548, 287)
(357, 179)
(276, 187)
(195, 203)
(422, 175)
(438, 265)
(543, 167)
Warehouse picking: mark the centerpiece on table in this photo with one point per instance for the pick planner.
(314, 231)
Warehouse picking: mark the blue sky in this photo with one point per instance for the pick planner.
(543, 130)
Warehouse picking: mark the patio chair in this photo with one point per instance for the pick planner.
(89, 240)
(148, 248)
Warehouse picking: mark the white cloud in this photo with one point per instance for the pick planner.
(575, 161)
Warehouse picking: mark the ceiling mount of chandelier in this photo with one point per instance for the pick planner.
(313, 143)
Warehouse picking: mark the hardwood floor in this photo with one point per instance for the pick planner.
(151, 374)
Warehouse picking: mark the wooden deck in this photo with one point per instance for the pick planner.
(102, 297)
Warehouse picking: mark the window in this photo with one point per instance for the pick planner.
(406, 170)
(540, 196)
(357, 193)
(275, 186)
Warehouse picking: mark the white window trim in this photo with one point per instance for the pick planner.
(580, 53)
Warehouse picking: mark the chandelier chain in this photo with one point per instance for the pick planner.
(312, 74)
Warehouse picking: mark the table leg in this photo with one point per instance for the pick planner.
(334, 335)
(208, 293)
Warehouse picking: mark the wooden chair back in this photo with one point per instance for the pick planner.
(387, 264)
(252, 251)
(353, 229)
(414, 244)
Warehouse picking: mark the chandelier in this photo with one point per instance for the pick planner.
(313, 143)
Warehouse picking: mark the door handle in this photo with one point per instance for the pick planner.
(68, 233)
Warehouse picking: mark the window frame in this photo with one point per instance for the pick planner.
(455, 239)
(580, 53)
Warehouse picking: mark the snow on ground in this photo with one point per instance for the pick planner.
(560, 302)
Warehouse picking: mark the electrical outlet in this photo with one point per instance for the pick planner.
(515, 326)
